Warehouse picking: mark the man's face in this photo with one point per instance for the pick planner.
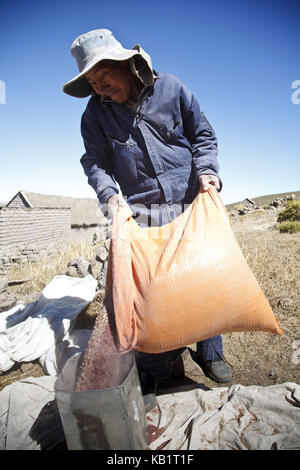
(111, 81)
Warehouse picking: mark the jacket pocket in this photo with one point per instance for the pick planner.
(124, 158)
(121, 142)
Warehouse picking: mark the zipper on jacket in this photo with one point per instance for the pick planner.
(141, 108)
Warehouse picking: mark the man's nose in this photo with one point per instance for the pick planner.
(102, 85)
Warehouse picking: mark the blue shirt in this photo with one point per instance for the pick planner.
(155, 152)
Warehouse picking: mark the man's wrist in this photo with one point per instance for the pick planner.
(112, 198)
(209, 179)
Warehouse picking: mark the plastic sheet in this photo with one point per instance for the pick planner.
(182, 282)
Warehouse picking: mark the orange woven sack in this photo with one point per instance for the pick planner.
(182, 282)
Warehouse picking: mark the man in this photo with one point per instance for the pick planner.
(144, 130)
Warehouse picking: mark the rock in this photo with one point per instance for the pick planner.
(285, 303)
(100, 292)
(102, 278)
(3, 284)
(72, 272)
(107, 243)
(290, 197)
(296, 354)
(17, 282)
(296, 344)
(7, 301)
(95, 268)
(26, 367)
(105, 266)
(297, 334)
(278, 202)
(81, 266)
(3, 270)
(102, 254)
(272, 375)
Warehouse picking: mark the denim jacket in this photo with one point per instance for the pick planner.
(155, 153)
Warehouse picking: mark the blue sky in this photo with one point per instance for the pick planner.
(240, 59)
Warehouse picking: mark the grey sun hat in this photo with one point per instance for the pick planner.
(100, 44)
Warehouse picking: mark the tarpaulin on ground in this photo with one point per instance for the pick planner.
(224, 418)
(41, 329)
(228, 418)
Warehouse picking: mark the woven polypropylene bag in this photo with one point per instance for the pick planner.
(183, 282)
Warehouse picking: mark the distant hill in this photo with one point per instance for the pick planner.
(263, 200)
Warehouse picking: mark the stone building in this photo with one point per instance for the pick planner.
(31, 223)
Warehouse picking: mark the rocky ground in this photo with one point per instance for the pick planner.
(256, 358)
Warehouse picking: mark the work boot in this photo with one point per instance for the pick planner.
(218, 371)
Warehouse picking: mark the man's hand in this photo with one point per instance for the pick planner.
(112, 203)
(205, 180)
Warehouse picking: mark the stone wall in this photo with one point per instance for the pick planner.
(26, 232)
(87, 233)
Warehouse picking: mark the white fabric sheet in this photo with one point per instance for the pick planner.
(239, 417)
(225, 418)
(22, 402)
(34, 331)
(20, 405)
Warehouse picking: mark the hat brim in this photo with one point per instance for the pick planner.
(79, 86)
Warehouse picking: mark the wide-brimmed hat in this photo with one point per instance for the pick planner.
(100, 44)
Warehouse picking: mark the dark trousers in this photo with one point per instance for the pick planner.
(159, 366)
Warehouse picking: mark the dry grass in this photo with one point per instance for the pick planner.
(257, 357)
(40, 272)
(18, 373)
(274, 259)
